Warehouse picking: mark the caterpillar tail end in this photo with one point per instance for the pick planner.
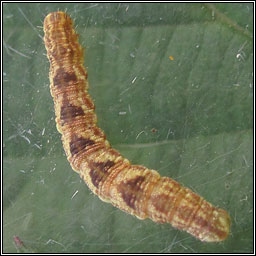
(220, 229)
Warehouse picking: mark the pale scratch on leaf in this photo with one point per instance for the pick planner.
(134, 79)
(19, 53)
(74, 194)
(223, 155)
(25, 138)
(92, 6)
(129, 108)
(51, 241)
(139, 242)
(168, 133)
(43, 132)
(36, 145)
(138, 135)
(204, 146)
(247, 165)
(25, 216)
(244, 199)
(34, 28)
(6, 48)
(125, 90)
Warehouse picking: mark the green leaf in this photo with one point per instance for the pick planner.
(190, 118)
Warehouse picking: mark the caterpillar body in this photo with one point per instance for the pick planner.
(132, 188)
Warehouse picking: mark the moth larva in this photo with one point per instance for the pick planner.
(132, 188)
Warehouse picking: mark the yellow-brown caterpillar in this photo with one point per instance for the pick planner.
(132, 188)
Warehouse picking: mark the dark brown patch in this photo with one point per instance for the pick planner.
(69, 111)
(129, 190)
(62, 50)
(62, 78)
(99, 171)
(161, 203)
(77, 144)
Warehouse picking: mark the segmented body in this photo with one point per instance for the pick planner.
(132, 188)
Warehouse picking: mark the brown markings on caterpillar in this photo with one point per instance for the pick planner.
(69, 111)
(132, 188)
(78, 144)
(62, 78)
(99, 171)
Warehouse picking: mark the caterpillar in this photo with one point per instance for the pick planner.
(134, 189)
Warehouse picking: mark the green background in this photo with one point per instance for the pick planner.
(190, 118)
